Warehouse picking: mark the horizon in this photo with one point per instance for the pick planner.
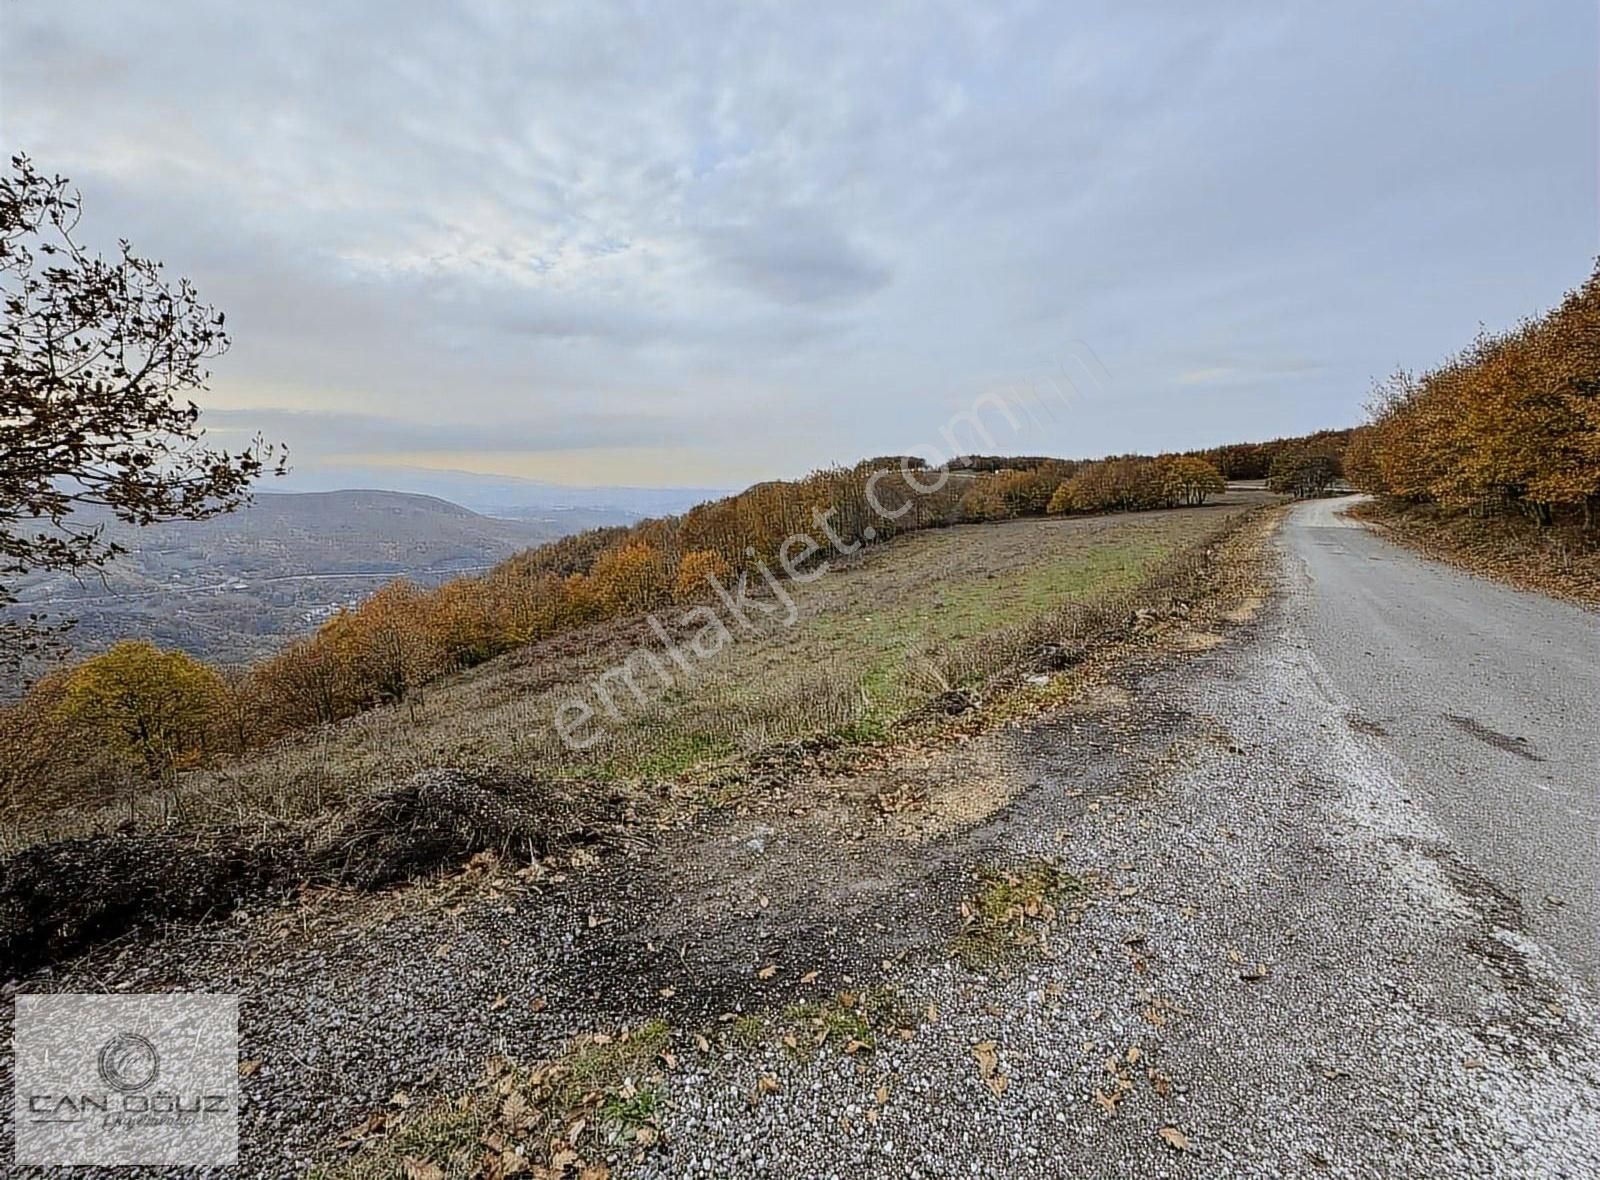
(592, 250)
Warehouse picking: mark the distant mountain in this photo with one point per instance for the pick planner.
(234, 587)
(498, 495)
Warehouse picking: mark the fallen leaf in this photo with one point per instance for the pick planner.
(767, 1084)
(497, 1003)
(701, 1043)
(882, 1095)
(810, 977)
(246, 1068)
(417, 1168)
(538, 1003)
(1160, 1083)
(667, 993)
(595, 1172)
(1175, 1139)
(768, 971)
(997, 1084)
(988, 1058)
(933, 1012)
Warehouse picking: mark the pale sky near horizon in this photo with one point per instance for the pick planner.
(698, 244)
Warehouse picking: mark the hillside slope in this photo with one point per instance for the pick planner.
(230, 588)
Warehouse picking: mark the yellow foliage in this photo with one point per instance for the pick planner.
(630, 579)
(152, 707)
(695, 574)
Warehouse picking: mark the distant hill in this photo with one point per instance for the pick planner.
(233, 587)
(499, 495)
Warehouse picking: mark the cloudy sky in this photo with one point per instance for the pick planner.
(698, 244)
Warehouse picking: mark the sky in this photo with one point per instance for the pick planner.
(708, 244)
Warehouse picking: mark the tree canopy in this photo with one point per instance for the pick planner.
(98, 358)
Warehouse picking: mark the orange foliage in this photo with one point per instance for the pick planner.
(1512, 420)
(696, 572)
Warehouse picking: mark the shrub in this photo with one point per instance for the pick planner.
(1191, 481)
(630, 580)
(695, 573)
(1303, 473)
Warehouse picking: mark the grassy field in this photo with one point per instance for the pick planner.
(870, 642)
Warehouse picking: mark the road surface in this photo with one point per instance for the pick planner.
(1488, 699)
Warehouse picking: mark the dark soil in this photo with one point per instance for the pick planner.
(62, 898)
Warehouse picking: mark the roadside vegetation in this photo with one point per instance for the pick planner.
(1493, 458)
(160, 713)
(601, 1098)
(873, 642)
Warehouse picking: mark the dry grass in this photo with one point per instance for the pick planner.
(603, 1096)
(874, 642)
(1561, 560)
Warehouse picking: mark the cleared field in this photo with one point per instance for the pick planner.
(875, 638)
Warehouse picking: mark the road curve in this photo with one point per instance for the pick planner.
(1487, 698)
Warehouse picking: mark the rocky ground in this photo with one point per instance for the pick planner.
(1256, 955)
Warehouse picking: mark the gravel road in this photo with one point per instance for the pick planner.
(1337, 920)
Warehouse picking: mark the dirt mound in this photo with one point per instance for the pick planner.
(57, 899)
(441, 817)
(62, 898)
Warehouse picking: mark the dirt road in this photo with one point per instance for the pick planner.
(1302, 944)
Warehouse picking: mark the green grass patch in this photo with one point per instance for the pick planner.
(1011, 912)
(886, 644)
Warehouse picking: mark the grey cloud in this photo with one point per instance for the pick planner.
(795, 258)
(808, 235)
(317, 432)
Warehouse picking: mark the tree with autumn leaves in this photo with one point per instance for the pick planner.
(150, 708)
(1513, 421)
